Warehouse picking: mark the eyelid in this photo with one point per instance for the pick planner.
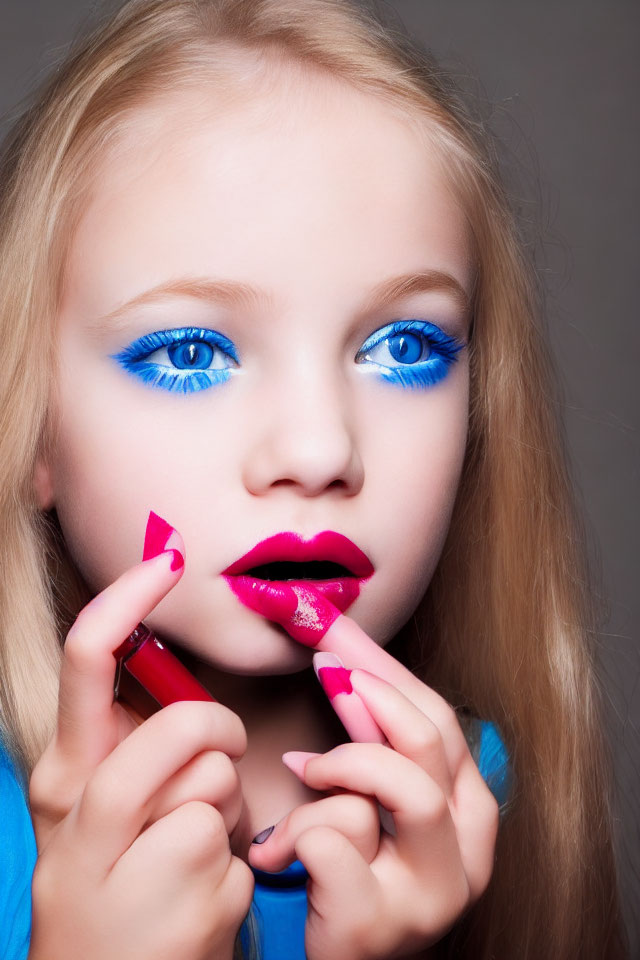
(435, 334)
(150, 342)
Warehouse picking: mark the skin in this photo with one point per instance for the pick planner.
(332, 195)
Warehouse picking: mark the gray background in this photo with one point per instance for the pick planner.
(559, 82)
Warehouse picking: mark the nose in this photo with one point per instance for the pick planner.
(302, 434)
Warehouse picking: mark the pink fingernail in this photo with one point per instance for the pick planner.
(296, 760)
(332, 674)
(157, 535)
(177, 560)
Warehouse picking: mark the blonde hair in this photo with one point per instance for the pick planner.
(507, 622)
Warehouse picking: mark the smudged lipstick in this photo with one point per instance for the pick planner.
(277, 571)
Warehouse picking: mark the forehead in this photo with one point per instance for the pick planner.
(259, 176)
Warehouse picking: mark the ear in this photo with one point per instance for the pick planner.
(43, 485)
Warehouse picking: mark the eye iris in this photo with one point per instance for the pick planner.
(191, 355)
(405, 347)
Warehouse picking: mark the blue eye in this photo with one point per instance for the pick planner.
(186, 359)
(410, 353)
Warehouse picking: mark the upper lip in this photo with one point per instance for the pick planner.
(328, 546)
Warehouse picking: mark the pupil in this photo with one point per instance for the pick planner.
(196, 355)
(405, 347)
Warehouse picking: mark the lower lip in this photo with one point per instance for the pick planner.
(341, 592)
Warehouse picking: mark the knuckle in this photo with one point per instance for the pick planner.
(360, 815)
(40, 784)
(424, 741)
(216, 768)
(203, 826)
(199, 722)
(182, 716)
(100, 798)
(491, 814)
(229, 784)
(430, 804)
(76, 649)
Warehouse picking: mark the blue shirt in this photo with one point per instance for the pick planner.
(17, 860)
(279, 902)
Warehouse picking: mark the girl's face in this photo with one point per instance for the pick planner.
(303, 402)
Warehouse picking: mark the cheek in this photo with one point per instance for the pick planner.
(124, 450)
(108, 472)
(419, 467)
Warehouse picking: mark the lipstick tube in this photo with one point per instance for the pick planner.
(157, 669)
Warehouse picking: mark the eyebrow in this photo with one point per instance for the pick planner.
(233, 293)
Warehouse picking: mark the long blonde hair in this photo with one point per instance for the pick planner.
(505, 630)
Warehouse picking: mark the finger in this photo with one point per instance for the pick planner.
(342, 885)
(472, 806)
(86, 715)
(355, 817)
(211, 777)
(191, 838)
(418, 806)
(117, 800)
(336, 683)
(358, 651)
(312, 620)
(476, 815)
(182, 866)
(406, 728)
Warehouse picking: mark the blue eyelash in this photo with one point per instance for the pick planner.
(134, 359)
(424, 373)
(414, 375)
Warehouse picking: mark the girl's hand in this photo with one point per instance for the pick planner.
(132, 822)
(395, 891)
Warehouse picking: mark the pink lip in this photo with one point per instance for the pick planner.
(341, 591)
(290, 546)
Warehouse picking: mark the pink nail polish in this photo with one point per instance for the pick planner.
(156, 536)
(304, 613)
(177, 560)
(296, 760)
(332, 674)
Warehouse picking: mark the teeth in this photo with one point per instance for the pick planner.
(292, 570)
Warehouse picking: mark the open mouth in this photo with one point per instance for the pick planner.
(329, 562)
(287, 570)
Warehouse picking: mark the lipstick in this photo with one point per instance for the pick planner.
(157, 669)
(142, 655)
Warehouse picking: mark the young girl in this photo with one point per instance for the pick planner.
(267, 326)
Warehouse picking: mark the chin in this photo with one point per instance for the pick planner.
(256, 648)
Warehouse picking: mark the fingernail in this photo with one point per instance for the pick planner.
(296, 760)
(332, 674)
(157, 535)
(177, 560)
(263, 835)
